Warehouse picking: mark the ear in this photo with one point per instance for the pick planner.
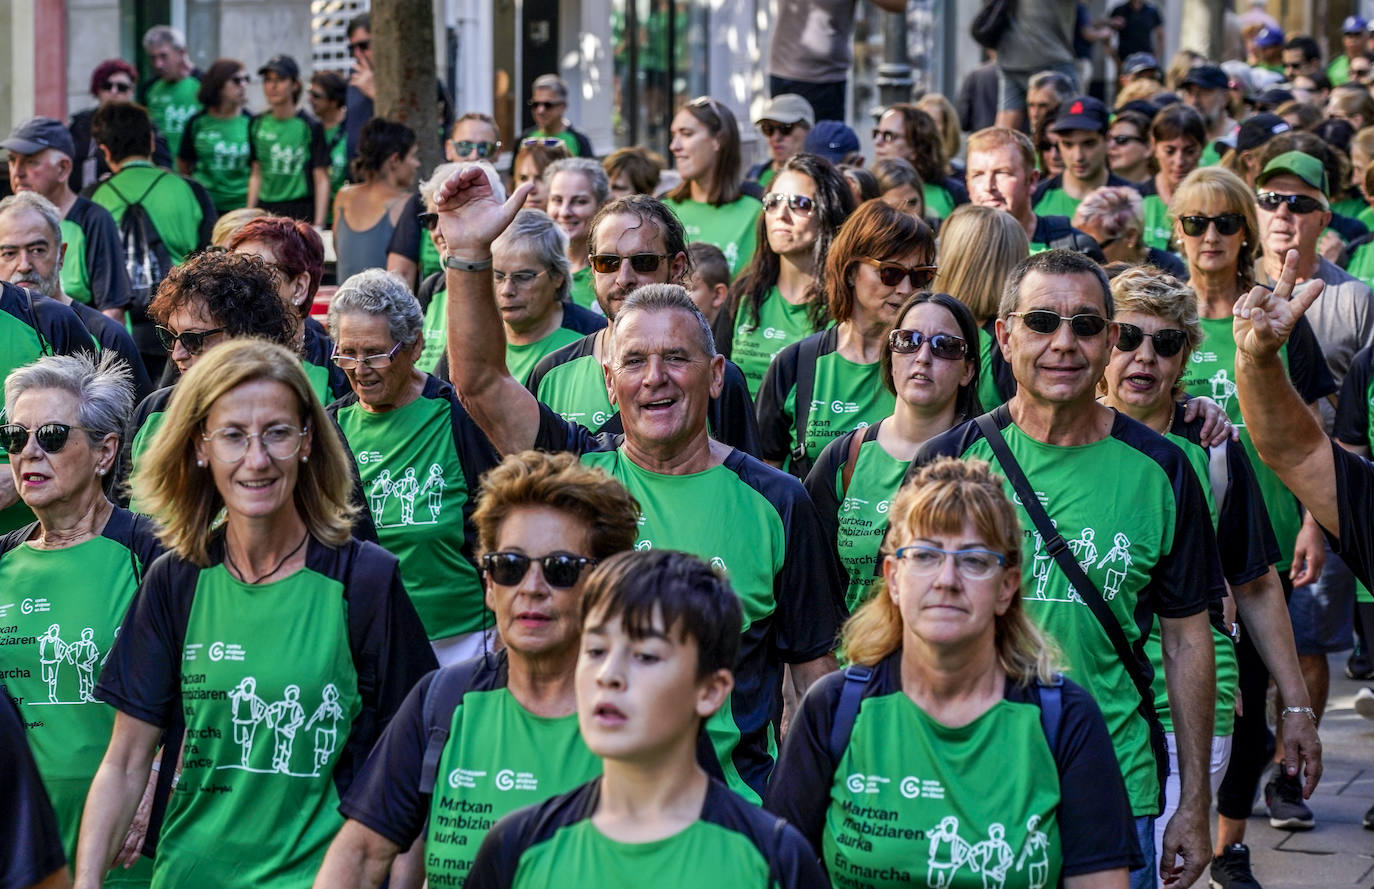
(968, 370)
(417, 348)
(712, 691)
(1002, 328)
(202, 452)
(717, 375)
(721, 292)
(307, 443)
(106, 453)
(610, 381)
(677, 268)
(1006, 592)
(61, 254)
(300, 286)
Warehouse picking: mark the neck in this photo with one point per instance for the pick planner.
(795, 276)
(226, 109)
(544, 685)
(1221, 127)
(577, 254)
(1217, 291)
(1028, 220)
(1079, 188)
(1079, 422)
(555, 127)
(860, 339)
(700, 189)
(1163, 188)
(69, 523)
(910, 426)
(668, 786)
(536, 331)
(1273, 264)
(258, 544)
(116, 166)
(63, 198)
(958, 676)
(331, 119)
(60, 295)
(699, 454)
(283, 110)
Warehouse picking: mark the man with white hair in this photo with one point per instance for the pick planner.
(548, 102)
(171, 100)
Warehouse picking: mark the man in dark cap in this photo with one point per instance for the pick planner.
(1353, 42)
(1205, 87)
(1079, 132)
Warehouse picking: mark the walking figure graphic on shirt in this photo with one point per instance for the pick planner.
(406, 489)
(327, 715)
(1040, 565)
(994, 857)
(1085, 551)
(83, 655)
(284, 717)
(1118, 555)
(433, 488)
(248, 712)
(945, 841)
(51, 652)
(1037, 845)
(1223, 389)
(378, 493)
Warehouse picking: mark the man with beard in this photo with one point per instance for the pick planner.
(1205, 88)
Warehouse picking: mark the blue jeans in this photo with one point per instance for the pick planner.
(1146, 877)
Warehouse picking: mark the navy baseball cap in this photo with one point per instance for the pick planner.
(1209, 77)
(1082, 113)
(1258, 129)
(1270, 37)
(1353, 24)
(38, 133)
(282, 66)
(1137, 62)
(833, 140)
(1273, 98)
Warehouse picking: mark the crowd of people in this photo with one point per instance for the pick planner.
(942, 518)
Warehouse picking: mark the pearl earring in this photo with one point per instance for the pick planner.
(304, 458)
(200, 463)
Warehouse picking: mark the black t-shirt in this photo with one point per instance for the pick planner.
(29, 838)
(114, 337)
(1355, 493)
(405, 238)
(1352, 412)
(104, 255)
(1137, 34)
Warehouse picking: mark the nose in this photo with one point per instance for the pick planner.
(653, 372)
(1064, 338)
(533, 583)
(180, 353)
(611, 673)
(948, 575)
(625, 275)
(25, 261)
(257, 455)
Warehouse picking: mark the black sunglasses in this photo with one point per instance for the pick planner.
(193, 341)
(609, 263)
(797, 203)
(890, 273)
(360, 46)
(1169, 341)
(1124, 140)
(428, 220)
(1298, 203)
(1196, 226)
(544, 106)
(117, 86)
(561, 570)
(942, 345)
(464, 147)
(51, 437)
(1044, 321)
(769, 127)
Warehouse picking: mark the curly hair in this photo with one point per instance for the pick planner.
(238, 292)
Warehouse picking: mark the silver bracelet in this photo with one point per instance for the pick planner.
(1305, 711)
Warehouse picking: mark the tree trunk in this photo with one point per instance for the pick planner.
(403, 57)
(1201, 28)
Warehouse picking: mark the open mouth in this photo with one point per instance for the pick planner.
(661, 404)
(1141, 382)
(608, 714)
(257, 484)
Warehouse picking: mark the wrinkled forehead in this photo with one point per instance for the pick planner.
(629, 233)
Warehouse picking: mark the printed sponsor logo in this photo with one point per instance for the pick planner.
(599, 418)
(644, 545)
(772, 333)
(852, 504)
(859, 783)
(220, 651)
(35, 606)
(1201, 357)
(370, 456)
(913, 787)
(464, 778)
(508, 779)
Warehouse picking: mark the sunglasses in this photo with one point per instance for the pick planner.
(546, 106)
(1360, 72)
(51, 437)
(885, 135)
(549, 142)
(1044, 321)
(609, 263)
(1168, 340)
(1124, 140)
(890, 273)
(561, 570)
(117, 86)
(942, 345)
(1299, 204)
(318, 97)
(1196, 226)
(360, 46)
(428, 220)
(244, 79)
(465, 147)
(769, 127)
(191, 341)
(797, 203)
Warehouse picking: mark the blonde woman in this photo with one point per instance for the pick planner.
(938, 726)
(282, 645)
(979, 247)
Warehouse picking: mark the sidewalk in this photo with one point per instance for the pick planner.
(1338, 852)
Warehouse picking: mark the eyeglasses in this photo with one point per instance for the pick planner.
(1168, 341)
(549, 142)
(561, 570)
(797, 203)
(609, 263)
(51, 437)
(1196, 226)
(521, 280)
(192, 341)
(465, 147)
(885, 135)
(360, 46)
(942, 345)
(1360, 72)
(1124, 140)
(890, 273)
(769, 127)
(972, 564)
(1298, 204)
(371, 362)
(428, 220)
(1044, 321)
(546, 106)
(120, 86)
(229, 444)
(244, 79)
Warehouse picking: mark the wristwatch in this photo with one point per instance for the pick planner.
(466, 265)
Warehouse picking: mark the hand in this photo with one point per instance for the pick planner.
(9, 491)
(1185, 836)
(1264, 319)
(1331, 245)
(129, 853)
(1302, 747)
(1216, 426)
(1309, 554)
(470, 217)
(362, 78)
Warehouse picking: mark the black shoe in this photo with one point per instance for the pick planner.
(1231, 869)
(1369, 819)
(1358, 666)
(1287, 811)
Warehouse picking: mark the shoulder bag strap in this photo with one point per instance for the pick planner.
(808, 351)
(856, 441)
(443, 696)
(1218, 473)
(856, 679)
(1051, 709)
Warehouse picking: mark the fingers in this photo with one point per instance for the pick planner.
(1288, 277)
(1305, 296)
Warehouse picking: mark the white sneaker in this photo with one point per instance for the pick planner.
(1364, 702)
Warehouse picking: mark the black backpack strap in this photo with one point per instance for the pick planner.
(1087, 590)
(141, 198)
(365, 574)
(856, 679)
(808, 351)
(443, 696)
(1052, 709)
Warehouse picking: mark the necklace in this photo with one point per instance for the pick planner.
(1168, 427)
(244, 577)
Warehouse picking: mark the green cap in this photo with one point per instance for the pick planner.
(1304, 166)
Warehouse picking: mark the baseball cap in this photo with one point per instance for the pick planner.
(1304, 166)
(1273, 97)
(38, 133)
(1240, 76)
(1258, 129)
(1139, 61)
(1353, 24)
(1082, 113)
(282, 66)
(1270, 37)
(833, 140)
(786, 108)
(1209, 77)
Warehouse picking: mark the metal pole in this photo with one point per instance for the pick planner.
(894, 79)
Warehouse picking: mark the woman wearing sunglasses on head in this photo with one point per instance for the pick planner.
(278, 642)
(706, 150)
(578, 187)
(1158, 317)
(930, 362)
(777, 299)
(77, 567)
(542, 521)
(214, 145)
(365, 214)
(951, 754)
(831, 382)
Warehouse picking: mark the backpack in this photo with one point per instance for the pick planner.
(443, 696)
(146, 259)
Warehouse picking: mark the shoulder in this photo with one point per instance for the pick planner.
(534, 824)
(1139, 437)
(581, 320)
(1046, 185)
(580, 349)
(154, 402)
(782, 490)
(1337, 277)
(955, 441)
(770, 834)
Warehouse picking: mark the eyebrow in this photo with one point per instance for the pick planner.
(603, 629)
(41, 242)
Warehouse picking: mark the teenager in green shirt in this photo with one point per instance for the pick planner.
(328, 96)
(1177, 137)
(290, 165)
(1080, 133)
(214, 148)
(658, 641)
(578, 188)
(706, 152)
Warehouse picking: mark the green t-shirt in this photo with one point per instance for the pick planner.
(1159, 225)
(435, 329)
(171, 105)
(76, 280)
(1056, 202)
(862, 518)
(566, 137)
(171, 204)
(731, 227)
(521, 359)
(59, 613)
(1338, 72)
(988, 396)
(336, 142)
(1351, 207)
(576, 389)
(430, 260)
(417, 492)
(1210, 155)
(1361, 263)
(780, 323)
(217, 150)
(582, 290)
(286, 151)
(767, 176)
(939, 202)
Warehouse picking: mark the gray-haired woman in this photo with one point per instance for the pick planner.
(70, 575)
(418, 454)
(1114, 216)
(578, 187)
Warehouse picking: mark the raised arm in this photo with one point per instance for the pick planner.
(471, 218)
